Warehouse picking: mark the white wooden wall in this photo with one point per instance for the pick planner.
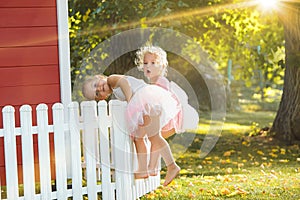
(102, 153)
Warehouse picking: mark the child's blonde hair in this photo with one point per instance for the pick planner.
(161, 57)
(86, 85)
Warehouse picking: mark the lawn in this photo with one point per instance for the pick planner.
(246, 163)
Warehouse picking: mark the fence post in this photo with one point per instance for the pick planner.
(10, 152)
(89, 116)
(122, 151)
(44, 151)
(27, 151)
(104, 123)
(60, 153)
(75, 150)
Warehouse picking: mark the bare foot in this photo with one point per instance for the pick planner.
(172, 171)
(141, 175)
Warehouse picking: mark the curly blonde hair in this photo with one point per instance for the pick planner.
(161, 57)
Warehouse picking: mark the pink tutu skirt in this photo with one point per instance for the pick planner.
(151, 100)
(187, 118)
(176, 122)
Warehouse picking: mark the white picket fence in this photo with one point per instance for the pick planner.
(101, 153)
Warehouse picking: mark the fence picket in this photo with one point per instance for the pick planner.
(89, 133)
(27, 151)
(75, 150)
(60, 153)
(44, 152)
(122, 151)
(10, 152)
(140, 187)
(107, 188)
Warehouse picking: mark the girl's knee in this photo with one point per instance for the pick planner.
(155, 137)
(167, 134)
(138, 139)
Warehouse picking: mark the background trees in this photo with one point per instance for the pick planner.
(230, 31)
(235, 32)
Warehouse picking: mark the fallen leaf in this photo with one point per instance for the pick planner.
(225, 191)
(241, 191)
(227, 153)
(260, 153)
(229, 170)
(283, 160)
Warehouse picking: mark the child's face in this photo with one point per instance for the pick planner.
(151, 67)
(97, 89)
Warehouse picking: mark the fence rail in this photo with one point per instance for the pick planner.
(101, 153)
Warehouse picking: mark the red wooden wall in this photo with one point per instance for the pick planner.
(29, 69)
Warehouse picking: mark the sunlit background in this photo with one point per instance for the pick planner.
(268, 4)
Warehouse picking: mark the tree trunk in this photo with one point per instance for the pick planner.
(286, 125)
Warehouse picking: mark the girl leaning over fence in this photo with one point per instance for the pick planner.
(149, 108)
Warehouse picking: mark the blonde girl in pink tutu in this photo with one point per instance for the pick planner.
(149, 108)
(152, 60)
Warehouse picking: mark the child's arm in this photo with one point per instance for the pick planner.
(120, 81)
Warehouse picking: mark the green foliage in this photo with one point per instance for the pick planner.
(224, 31)
(253, 43)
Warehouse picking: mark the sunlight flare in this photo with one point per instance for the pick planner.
(268, 4)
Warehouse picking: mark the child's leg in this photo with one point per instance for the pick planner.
(168, 133)
(154, 158)
(141, 149)
(159, 146)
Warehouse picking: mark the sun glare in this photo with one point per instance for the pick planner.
(268, 4)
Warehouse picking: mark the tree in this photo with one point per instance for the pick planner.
(224, 30)
(286, 125)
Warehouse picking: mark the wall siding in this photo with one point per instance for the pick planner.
(29, 67)
(27, 3)
(27, 17)
(31, 36)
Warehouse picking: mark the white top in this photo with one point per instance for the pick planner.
(135, 84)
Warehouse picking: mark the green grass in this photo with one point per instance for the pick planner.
(239, 166)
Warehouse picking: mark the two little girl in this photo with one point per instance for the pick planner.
(152, 110)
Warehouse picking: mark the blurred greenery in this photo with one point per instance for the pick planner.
(233, 30)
